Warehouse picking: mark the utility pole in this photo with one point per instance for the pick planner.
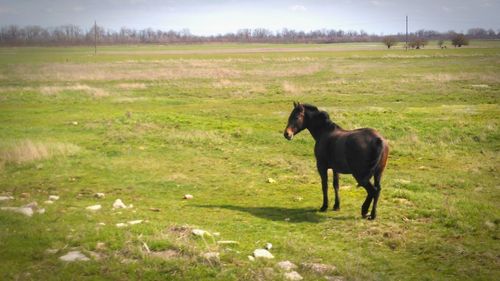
(406, 45)
(95, 37)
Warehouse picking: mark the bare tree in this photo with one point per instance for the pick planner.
(389, 41)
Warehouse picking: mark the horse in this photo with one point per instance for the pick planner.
(361, 152)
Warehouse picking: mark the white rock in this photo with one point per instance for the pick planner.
(286, 265)
(293, 276)
(32, 205)
(271, 180)
(262, 253)
(118, 204)
(41, 211)
(53, 197)
(22, 210)
(5, 198)
(121, 224)
(251, 258)
(268, 246)
(200, 232)
(134, 222)
(99, 195)
(74, 256)
(48, 202)
(188, 196)
(94, 207)
(74, 123)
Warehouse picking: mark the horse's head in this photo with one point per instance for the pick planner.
(295, 121)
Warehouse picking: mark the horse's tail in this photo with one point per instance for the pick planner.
(377, 154)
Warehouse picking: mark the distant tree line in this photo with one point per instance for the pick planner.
(14, 35)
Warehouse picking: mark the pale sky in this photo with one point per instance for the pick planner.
(205, 17)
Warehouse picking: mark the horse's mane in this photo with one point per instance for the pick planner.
(319, 115)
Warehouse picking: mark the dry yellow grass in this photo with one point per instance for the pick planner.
(131, 86)
(22, 151)
(54, 90)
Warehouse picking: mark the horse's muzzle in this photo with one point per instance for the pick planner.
(288, 134)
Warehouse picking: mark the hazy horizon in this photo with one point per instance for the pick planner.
(226, 16)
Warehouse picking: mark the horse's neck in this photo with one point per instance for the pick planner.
(318, 127)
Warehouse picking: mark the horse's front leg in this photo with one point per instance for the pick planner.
(336, 206)
(323, 172)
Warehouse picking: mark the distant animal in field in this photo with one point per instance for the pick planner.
(361, 152)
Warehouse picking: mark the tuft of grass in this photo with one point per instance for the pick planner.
(22, 151)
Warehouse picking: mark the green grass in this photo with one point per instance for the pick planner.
(148, 124)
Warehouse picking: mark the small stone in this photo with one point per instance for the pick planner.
(74, 256)
(101, 224)
(293, 276)
(74, 123)
(32, 205)
(118, 204)
(262, 253)
(48, 202)
(5, 198)
(286, 265)
(134, 222)
(25, 195)
(121, 224)
(251, 258)
(41, 211)
(94, 208)
(227, 242)
(200, 232)
(154, 209)
(271, 180)
(268, 246)
(99, 195)
(53, 197)
(22, 210)
(188, 196)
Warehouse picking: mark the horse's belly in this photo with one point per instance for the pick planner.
(340, 167)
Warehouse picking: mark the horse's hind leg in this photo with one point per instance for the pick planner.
(377, 176)
(370, 190)
(336, 206)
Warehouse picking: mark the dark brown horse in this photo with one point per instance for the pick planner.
(362, 153)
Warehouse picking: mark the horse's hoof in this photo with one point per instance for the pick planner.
(371, 217)
(336, 208)
(364, 216)
(323, 209)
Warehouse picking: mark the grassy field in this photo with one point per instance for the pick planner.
(148, 124)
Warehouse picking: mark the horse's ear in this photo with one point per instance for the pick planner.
(294, 104)
(301, 107)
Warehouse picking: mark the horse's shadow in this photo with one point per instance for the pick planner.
(296, 215)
